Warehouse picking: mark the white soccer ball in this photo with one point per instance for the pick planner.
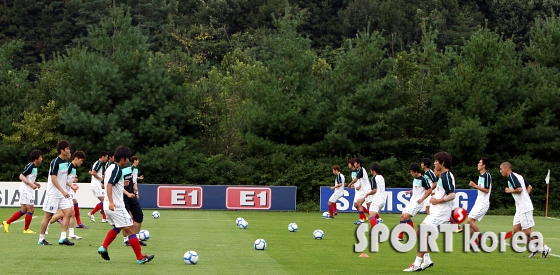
(190, 257)
(292, 227)
(243, 224)
(144, 235)
(318, 234)
(260, 244)
(238, 220)
(326, 214)
(155, 215)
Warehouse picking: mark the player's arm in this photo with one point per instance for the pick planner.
(373, 187)
(24, 174)
(449, 188)
(113, 179)
(352, 182)
(528, 187)
(515, 184)
(428, 188)
(58, 186)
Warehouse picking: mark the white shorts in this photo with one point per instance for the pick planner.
(369, 199)
(97, 191)
(335, 196)
(437, 219)
(412, 208)
(525, 219)
(358, 195)
(479, 210)
(27, 198)
(376, 206)
(53, 204)
(118, 218)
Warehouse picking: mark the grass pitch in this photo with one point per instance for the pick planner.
(223, 248)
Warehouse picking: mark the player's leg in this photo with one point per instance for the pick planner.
(405, 218)
(72, 225)
(373, 214)
(79, 223)
(13, 218)
(332, 204)
(135, 244)
(137, 218)
(68, 211)
(417, 264)
(29, 210)
(360, 208)
(50, 207)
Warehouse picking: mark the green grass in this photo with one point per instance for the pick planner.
(225, 249)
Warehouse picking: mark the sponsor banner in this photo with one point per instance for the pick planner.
(210, 197)
(9, 195)
(396, 199)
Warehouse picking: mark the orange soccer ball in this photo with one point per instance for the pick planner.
(459, 215)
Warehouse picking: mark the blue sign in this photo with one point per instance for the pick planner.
(218, 197)
(396, 199)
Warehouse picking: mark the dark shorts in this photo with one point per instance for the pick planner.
(133, 206)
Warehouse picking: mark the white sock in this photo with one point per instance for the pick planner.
(427, 257)
(418, 261)
(71, 231)
(63, 235)
(41, 237)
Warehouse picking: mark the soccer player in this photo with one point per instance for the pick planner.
(431, 177)
(27, 198)
(97, 187)
(523, 219)
(57, 197)
(421, 189)
(362, 188)
(338, 190)
(377, 193)
(442, 205)
(482, 203)
(114, 206)
(131, 202)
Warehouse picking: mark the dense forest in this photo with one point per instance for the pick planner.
(251, 92)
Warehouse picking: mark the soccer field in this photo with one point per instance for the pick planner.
(223, 248)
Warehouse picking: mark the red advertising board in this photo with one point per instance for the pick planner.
(248, 198)
(179, 196)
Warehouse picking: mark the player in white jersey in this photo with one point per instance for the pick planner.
(426, 163)
(421, 189)
(523, 219)
(97, 186)
(57, 197)
(117, 215)
(377, 194)
(442, 205)
(361, 183)
(482, 203)
(338, 188)
(26, 194)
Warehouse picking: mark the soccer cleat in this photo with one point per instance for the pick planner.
(400, 239)
(142, 243)
(425, 265)
(104, 220)
(91, 217)
(379, 220)
(81, 225)
(413, 268)
(532, 254)
(104, 253)
(359, 222)
(145, 259)
(65, 242)
(126, 243)
(335, 213)
(459, 230)
(546, 251)
(29, 231)
(6, 226)
(75, 237)
(329, 218)
(43, 242)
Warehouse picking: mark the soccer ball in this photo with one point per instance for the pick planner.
(459, 215)
(292, 227)
(190, 257)
(238, 220)
(243, 224)
(155, 215)
(260, 244)
(144, 235)
(326, 214)
(318, 234)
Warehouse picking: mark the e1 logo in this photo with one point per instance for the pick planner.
(248, 197)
